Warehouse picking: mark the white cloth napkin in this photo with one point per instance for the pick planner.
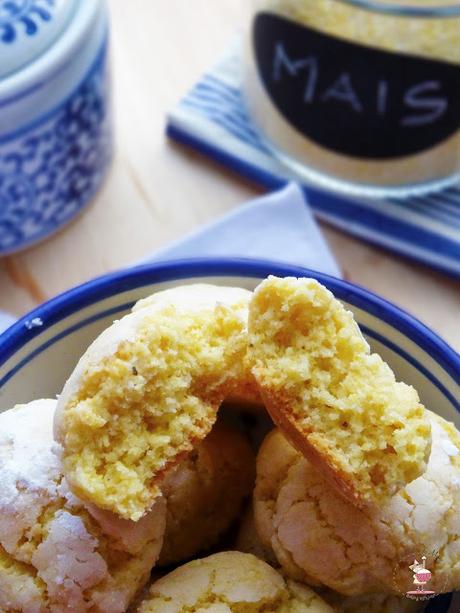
(5, 321)
(279, 226)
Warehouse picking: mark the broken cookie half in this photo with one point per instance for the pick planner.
(338, 403)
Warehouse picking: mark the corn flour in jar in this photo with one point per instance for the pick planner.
(358, 95)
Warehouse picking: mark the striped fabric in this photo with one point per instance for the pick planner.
(212, 119)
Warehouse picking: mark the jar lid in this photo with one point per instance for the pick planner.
(28, 28)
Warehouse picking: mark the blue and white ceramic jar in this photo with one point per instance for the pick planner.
(55, 126)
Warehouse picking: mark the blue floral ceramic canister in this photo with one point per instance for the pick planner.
(55, 133)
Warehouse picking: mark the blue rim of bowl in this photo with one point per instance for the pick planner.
(73, 300)
(103, 287)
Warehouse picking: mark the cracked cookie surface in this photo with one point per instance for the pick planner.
(230, 582)
(56, 555)
(319, 537)
(338, 404)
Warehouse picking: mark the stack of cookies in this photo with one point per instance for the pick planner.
(144, 465)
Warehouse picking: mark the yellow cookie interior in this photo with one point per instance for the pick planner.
(325, 389)
(137, 411)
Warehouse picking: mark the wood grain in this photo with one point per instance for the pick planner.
(157, 192)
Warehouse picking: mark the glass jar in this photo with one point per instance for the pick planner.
(360, 96)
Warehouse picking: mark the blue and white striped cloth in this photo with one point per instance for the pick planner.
(212, 119)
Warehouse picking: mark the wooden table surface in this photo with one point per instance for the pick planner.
(157, 191)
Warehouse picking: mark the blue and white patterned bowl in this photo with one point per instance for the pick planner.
(55, 129)
(38, 352)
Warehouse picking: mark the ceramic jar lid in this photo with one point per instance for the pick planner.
(28, 28)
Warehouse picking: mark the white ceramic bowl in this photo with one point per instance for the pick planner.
(38, 352)
(55, 128)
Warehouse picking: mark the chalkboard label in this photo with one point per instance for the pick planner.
(354, 99)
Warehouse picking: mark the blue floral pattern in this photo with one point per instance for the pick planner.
(25, 16)
(50, 171)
